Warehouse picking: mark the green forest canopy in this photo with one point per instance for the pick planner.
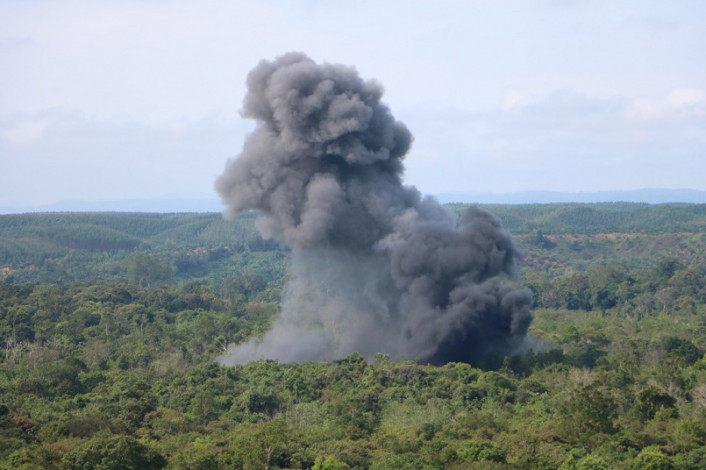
(110, 324)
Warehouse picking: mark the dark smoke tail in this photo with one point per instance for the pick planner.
(375, 267)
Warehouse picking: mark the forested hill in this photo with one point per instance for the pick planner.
(108, 231)
(68, 247)
(610, 217)
(117, 230)
(110, 324)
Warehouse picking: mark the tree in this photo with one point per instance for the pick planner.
(651, 399)
(651, 458)
(116, 452)
(575, 291)
(264, 447)
(143, 270)
(589, 410)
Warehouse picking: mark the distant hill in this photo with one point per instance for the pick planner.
(649, 196)
(206, 204)
(601, 217)
(78, 246)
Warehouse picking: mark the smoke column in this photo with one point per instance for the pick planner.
(375, 266)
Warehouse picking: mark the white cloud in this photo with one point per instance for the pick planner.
(686, 98)
(23, 133)
(76, 156)
(515, 101)
(680, 106)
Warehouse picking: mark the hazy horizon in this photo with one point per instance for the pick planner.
(205, 203)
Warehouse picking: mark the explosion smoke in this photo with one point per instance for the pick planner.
(375, 267)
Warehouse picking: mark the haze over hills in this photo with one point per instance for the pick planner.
(204, 204)
(124, 205)
(647, 195)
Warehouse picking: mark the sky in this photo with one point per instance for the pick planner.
(140, 99)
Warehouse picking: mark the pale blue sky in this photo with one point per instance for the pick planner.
(139, 99)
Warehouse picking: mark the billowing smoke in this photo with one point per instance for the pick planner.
(375, 267)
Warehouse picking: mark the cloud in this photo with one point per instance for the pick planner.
(515, 101)
(23, 133)
(683, 106)
(565, 140)
(59, 154)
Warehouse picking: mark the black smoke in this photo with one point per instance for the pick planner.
(375, 266)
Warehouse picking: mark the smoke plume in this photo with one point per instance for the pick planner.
(375, 266)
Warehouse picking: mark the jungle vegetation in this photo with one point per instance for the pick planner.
(110, 324)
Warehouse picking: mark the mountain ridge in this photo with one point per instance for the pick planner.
(181, 205)
(645, 195)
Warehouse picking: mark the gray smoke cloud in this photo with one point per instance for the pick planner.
(376, 267)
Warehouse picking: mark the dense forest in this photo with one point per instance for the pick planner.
(110, 324)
